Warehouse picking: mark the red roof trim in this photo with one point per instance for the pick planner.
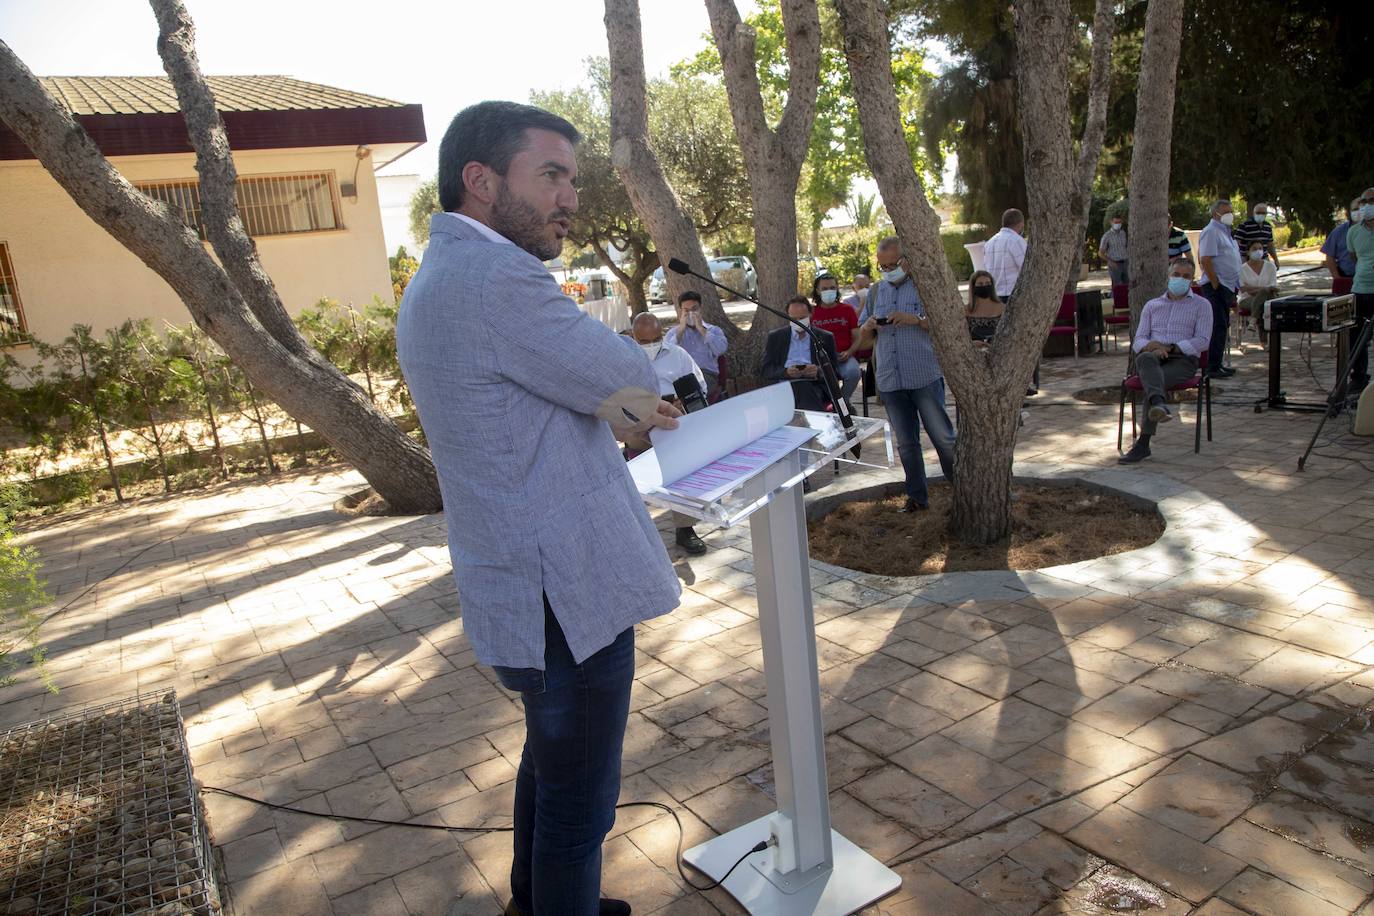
(144, 134)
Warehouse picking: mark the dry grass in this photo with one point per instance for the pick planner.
(1050, 525)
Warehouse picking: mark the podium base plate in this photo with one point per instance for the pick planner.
(855, 881)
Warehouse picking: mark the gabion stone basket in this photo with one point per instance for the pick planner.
(99, 815)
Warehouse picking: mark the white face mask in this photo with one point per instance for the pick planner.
(1116, 227)
(651, 349)
(1367, 213)
(829, 295)
(1261, 217)
(1257, 254)
(804, 322)
(1227, 219)
(894, 276)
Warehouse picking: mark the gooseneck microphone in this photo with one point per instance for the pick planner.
(828, 377)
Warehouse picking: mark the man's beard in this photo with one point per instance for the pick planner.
(523, 225)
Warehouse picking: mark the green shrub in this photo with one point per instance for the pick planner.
(21, 592)
(1281, 236)
(1295, 228)
(850, 252)
(954, 240)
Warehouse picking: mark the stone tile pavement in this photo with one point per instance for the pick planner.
(1184, 728)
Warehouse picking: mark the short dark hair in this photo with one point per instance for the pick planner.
(802, 299)
(490, 133)
(689, 294)
(1012, 218)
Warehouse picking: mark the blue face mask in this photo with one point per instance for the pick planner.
(1178, 286)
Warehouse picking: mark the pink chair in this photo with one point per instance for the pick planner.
(1200, 381)
(1065, 327)
(1120, 315)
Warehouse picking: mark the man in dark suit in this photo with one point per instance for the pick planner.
(790, 355)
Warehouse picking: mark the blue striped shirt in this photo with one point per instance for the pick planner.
(905, 355)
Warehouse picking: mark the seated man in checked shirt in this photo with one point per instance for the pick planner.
(1174, 331)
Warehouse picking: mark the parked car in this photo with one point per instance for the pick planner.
(658, 287)
(736, 272)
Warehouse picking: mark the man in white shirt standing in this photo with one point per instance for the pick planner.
(1003, 255)
(670, 363)
(1005, 252)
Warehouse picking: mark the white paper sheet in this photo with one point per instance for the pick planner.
(712, 434)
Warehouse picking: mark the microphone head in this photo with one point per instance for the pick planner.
(677, 266)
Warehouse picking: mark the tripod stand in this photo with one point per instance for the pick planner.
(1336, 398)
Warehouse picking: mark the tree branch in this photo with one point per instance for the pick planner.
(1099, 85)
(218, 178)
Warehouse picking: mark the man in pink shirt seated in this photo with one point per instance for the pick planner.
(1174, 331)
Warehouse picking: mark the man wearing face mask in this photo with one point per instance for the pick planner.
(670, 363)
(1257, 229)
(829, 314)
(1336, 250)
(909, 375)
(705, 342)
(789, 354)
(521, 396)
(1173, 331)
(1116, 251)
(1360, 241)
(1220, 260)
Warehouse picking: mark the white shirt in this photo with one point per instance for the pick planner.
(671, 364)
(1266, 278)
(491, 234)
(1003, 256)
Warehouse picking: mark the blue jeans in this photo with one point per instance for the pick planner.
(908, 409)
(569, 778)
(849, 372)
(1222, 300)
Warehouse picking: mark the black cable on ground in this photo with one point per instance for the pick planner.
(383, 822)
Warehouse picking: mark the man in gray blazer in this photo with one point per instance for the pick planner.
(522, 397)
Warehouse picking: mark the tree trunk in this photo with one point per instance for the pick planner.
(653, 198)
(1154, 126)
(218, 446)
(259, 338)
(990, 383)
(1095, 126)
(773, 157)
(980, 514)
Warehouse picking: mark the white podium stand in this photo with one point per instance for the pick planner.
(808, 868)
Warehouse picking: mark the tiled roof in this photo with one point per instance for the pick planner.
(129, 95)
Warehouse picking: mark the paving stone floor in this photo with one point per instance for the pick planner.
(1182, 729)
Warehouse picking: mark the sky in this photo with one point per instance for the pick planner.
(443, 54)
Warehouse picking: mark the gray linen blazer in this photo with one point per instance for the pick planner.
(513, 384)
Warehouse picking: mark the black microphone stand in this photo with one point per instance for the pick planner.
(828, 376)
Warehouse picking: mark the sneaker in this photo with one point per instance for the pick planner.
(913, 506)
(691, 544)
(1160, 414)
(1138, 453)
(1032, 392)
(1226, 372)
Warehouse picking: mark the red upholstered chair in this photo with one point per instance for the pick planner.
(1200, 381)
(1063, 333)
(1119, 318)
(1340, 286)
(722, 378)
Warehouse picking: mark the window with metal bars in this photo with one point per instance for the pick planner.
(268, 204)
(13, 328)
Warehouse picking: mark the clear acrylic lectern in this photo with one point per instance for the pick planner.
(809, 868)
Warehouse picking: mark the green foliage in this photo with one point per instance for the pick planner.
(21, 592)
(850, 252)
(1295, 228)
(953, 241)
(424, 203)
(403, 267)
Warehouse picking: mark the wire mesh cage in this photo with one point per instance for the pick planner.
(99, 815)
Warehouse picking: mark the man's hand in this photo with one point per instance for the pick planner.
(870, 326)
(809, 371)
(1159, 349)
(636, 435)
